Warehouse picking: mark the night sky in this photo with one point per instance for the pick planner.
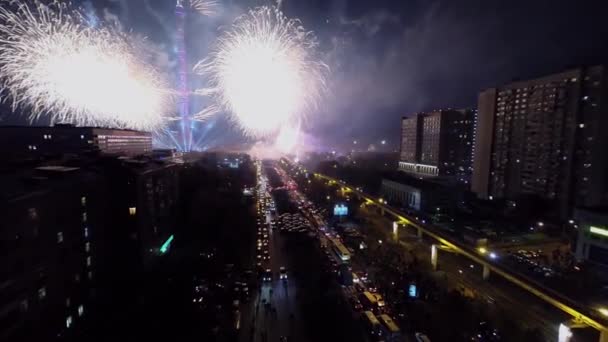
(390, 58)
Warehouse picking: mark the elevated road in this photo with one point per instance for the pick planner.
(579, 313)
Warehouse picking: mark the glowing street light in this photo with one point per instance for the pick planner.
(564, 333)
(482, 250)
(383, 142)
(603, 311)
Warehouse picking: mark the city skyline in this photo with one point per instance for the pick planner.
(397, 28)
(289, 171)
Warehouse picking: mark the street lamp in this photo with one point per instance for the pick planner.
(383, 142)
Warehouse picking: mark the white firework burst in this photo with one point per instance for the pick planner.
(264, 71)
(53, 64)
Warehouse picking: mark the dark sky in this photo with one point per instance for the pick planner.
(390, 58)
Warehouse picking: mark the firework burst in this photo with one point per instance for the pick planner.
(207, 8)
(264, 70)
(53, 64)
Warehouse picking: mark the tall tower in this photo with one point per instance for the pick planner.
(183, 102)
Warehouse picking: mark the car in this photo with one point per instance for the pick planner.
(356, 304)
(283, 273)
(267, 276)
(420, 337)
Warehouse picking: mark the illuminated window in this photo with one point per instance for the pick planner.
(598, 231)
(80, 310)
(88, 261)
(132, 211)
(59, 237)
(84, 217)
(86, 232)
(42, 293)
(83, 200)
(90, 275)
(87, 246)
(68, 322)
(33, 214)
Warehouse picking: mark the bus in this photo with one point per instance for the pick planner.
(372, 324)
(368, 300)
(379, 301)
(372, 301)
(390, 328)
(340, 250)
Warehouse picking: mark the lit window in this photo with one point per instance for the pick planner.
(132, 211)
(68, 321)
(88, 261)
(83, 200)
(86, 232)
(87, 246)
(59, 237)
(42, 292)
(90, 275)
(33, 214)
(80, 310)
(84, 217)
(82, 137)
(581, 125)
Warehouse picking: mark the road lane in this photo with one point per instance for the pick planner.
(273, 311)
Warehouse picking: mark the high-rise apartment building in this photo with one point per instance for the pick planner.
(410, 140)
(78, 234)
(52, 228)
(438, 144)
(544, 137)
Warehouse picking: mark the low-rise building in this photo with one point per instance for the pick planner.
(421, 195)
(592, 243)
(35, 142)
